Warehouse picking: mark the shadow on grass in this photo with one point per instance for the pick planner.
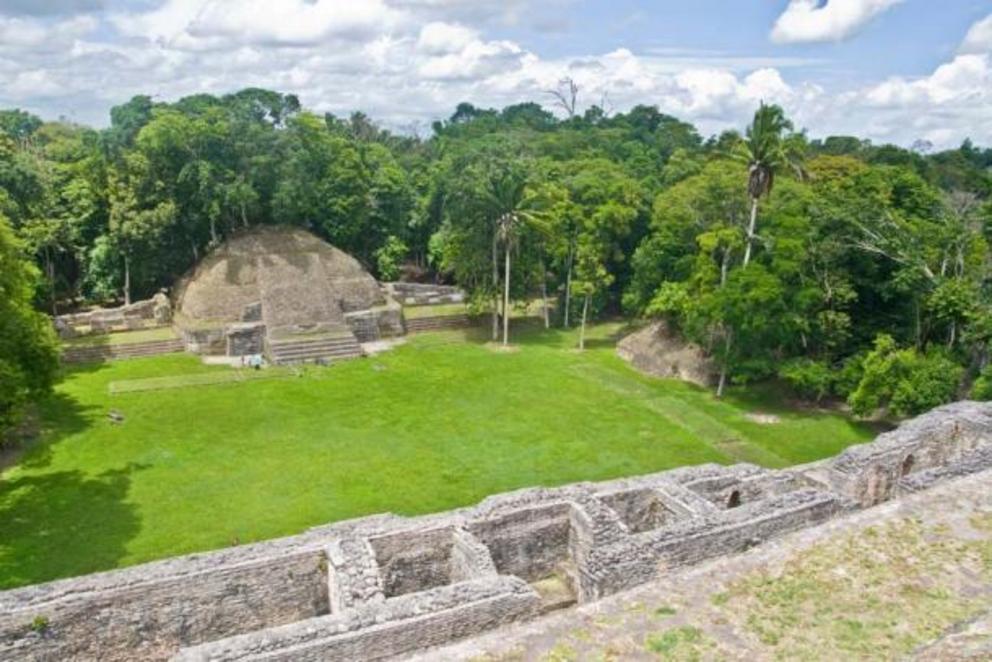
(54, 417)
(64, 524)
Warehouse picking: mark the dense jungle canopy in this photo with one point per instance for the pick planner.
(847, 269)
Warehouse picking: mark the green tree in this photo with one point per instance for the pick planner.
(904, 381)
(28, 347)
(768, 148)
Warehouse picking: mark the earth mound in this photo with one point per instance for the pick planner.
(661, 352)
(283, 276)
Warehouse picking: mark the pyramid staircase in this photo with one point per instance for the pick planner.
(301, 327)
(312, 348)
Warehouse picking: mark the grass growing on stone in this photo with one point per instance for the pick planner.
(120, 338)
(878, 594)
(439, 422)
(439, 310)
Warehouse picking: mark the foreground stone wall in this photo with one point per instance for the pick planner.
(384, 586)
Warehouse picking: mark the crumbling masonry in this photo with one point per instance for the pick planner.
(385, 586)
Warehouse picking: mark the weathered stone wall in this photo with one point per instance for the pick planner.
(149, 313)
(423, 294)
(384, 586)
(380, 322)
(245, 338)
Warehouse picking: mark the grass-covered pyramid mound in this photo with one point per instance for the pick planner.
(271, 282)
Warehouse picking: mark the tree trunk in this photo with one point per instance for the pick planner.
(50, 271)
(506, 299)
(750, 231)
(582, 331)
(244, 215)
(127, 281)
(213, 232)
(495, 288)
(568, 287)
(723, 368)
(544, 295)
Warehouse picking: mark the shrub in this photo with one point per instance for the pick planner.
(982, 388)
(904, 380)
(812, 380)
(389, 257)
(39, 624)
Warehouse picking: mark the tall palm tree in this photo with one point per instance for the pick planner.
(769, 147)
(513, 207)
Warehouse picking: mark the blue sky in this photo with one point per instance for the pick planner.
(889, 70)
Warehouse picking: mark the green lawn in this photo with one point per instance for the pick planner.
(200, 463)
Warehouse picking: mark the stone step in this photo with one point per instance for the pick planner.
(324, 347)
(432, 323)
(110, 352)
(308, 354)
(317, 342)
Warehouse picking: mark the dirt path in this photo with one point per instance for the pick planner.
(909, 579)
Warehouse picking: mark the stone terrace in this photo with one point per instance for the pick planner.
(386, 586)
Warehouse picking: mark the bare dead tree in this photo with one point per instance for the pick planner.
(566, 95)
(606, 105)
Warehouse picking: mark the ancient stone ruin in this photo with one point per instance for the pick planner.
(280, 292)
(385, 586)
(283, 292)
(148, 314)
(659, 351)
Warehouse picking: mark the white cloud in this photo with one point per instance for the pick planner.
(198, 24)
(26, 34)
(438, 38)
(412, 61)
(979, 37)
(811, 21)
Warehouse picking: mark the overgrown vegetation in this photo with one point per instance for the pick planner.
(780, 255)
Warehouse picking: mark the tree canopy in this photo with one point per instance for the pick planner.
(810, 261)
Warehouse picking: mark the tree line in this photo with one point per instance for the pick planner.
(846, 269)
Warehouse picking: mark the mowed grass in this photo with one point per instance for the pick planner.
(440, 422)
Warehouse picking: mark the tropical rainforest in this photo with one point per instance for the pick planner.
(846, 270)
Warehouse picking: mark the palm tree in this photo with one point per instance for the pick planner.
(769, 146)
(512, 207)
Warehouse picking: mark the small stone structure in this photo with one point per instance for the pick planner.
(661, 352)
(424, 294)
(150, 313)
(385, 586)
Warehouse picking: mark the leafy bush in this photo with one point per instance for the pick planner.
(389, 257)
(982, 388)
(812, 380)
(846, 379)
(904, 380)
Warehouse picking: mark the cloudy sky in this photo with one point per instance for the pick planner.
(890, 70)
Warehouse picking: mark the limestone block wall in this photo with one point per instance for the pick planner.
(149, 313)
(381, 322)
(870, 473)
(423, 294)
(385, 586)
